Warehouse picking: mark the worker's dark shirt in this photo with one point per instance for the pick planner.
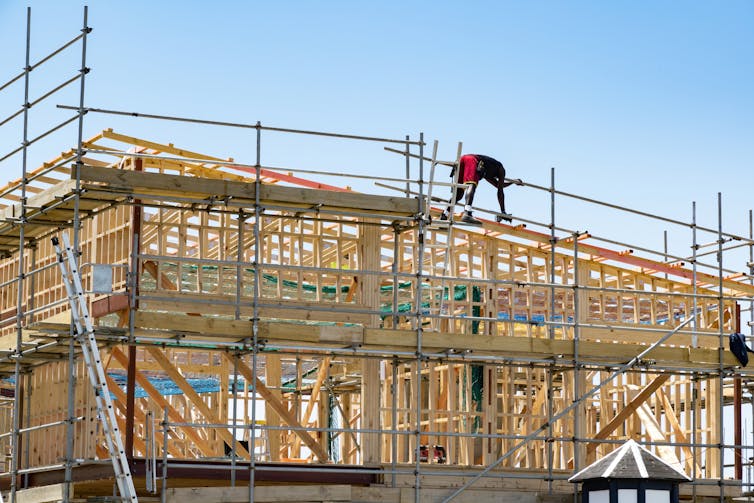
(490, 166)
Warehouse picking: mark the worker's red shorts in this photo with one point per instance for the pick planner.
(467, 172)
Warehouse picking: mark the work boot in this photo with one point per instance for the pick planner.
(469, 219)
(503, 216)
(444, 215)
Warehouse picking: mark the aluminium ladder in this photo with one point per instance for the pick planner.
(449, 208)
(85, 337)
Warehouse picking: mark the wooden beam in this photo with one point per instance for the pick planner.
(165, 185)
(324, 366)
(159, 147)
(42, 200)
(194, 398)
(527, 426)
(624, 333)
(176, 323)
(654, 430)
(628, 409)
(288, 178)
(173, 414)
(273, 375)
(41, 494)
(529, 346)
(139, 415)
(205, 329)
(136, 442)
(108, 305)
(308, 493)
(672, 419)
(278, 407)
(269, 308)
(46, 165)
(163, 282)
(369, 294)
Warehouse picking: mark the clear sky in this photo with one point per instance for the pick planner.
(646, 104)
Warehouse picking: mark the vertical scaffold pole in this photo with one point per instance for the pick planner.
(236, 355)
(665, 249)
(395, 268)
(408, 166)
(694, 248)
(576, 336)
(721, 347)
(79, 144)
(550, 368)
(695, 383)
(27, 443)
(239, 261)
(255, 308)
(553, 241)
(28, 388)
(17, 390)
(165, 440)
(394, 422)
(750, 265)
(76, 247)
(234, 389)
(419, 328)
(69, 430)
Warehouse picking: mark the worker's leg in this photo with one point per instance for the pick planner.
(497, 178)
(501, 201)
(501, 195)
(458, 194)
(469, 201)
(468, 196)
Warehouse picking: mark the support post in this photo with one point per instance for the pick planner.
(369, 293)
(272, 418)
(136, 220)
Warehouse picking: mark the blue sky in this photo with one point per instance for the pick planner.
(646, 104)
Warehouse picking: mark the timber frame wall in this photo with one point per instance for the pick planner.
(342, 331)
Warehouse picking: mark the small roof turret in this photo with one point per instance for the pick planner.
(630, 461)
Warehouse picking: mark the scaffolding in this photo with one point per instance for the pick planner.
(261, 328)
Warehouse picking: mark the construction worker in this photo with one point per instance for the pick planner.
(470, 169)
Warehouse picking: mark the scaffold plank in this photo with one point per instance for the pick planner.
(167, 185)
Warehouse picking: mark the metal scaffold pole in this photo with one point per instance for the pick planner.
(67, 487)
(694, 248)
(418, 314)
(258, 211)
(750, 265)
(234, 401)
(550, 369)
(17, 390)
(577, 301)
(721, 348)
(695, 383)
